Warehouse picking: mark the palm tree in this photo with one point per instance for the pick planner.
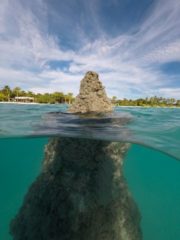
(58, 96)
(114, 99)
(30, 94)
(17, 91)
(7, 92)
(70, 97)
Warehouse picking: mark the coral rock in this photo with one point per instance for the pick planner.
(92, 96)
(81, 193)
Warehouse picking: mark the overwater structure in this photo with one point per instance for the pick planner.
(81, 193)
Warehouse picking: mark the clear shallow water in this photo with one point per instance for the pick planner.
(158, 128)
(20, 162)
(153, 177)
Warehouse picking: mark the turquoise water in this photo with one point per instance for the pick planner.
(153, 177)
(154, 180)
(158, 128)
(20, 163)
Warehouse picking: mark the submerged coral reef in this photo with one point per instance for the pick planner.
(81, 193)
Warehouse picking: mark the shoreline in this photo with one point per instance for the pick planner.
(30, 103)
(147, 107)
(35, 103)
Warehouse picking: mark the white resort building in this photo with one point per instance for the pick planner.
(24, 99)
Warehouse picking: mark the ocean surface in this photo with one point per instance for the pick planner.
(151, 166)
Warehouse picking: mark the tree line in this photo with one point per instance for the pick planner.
(8, 94)
(147, 102)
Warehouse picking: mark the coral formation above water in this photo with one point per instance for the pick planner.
(81, 193)
(92, 96)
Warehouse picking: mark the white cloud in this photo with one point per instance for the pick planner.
(170, 92)
(163, 54)
(126, 63)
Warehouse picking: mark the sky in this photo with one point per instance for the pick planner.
(134, 45)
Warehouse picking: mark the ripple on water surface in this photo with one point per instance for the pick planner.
(153, 177)
(158, 128)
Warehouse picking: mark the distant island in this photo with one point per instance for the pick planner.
(18, 95)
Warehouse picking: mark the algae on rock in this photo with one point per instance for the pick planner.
(81, 193)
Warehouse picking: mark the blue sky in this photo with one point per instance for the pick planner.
(134, 45)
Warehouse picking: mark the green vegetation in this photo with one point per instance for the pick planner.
(148, 102)
(8, 94)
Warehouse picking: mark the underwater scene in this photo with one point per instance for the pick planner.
(150, 139)
(90, 120)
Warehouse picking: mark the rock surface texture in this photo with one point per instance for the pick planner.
(81, 193)
(92, 96)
